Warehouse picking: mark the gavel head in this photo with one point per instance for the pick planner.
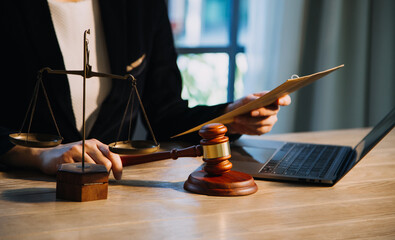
(216, 149)
(216, 178)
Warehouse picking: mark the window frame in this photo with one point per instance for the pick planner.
(231, 50)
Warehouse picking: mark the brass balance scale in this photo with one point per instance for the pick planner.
(86, 182)
(40, 140)
(77, 181)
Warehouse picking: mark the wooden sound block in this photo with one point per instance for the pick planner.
(231, 183)
(75, 184)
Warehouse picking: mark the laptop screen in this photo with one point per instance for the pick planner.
(374, 136)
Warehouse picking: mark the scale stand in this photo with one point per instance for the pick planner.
(82, 181)
(79, 181)
(75, 183)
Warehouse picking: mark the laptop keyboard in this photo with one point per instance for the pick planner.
(302, 160)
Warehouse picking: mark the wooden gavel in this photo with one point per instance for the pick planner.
(216, 178)
(193, 151)
(214, 147)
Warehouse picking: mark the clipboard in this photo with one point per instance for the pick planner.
(286, 88)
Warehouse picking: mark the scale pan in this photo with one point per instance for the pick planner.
(133, 147)
(37, 140)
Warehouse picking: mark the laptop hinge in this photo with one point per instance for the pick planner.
(345, 166)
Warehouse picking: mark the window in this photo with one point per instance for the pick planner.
(209, 37)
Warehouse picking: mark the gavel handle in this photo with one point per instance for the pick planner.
(193, 151)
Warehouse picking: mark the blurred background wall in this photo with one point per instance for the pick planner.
(238, 47)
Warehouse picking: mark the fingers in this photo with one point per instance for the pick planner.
(242, 101)
(95, 152)
(284, 101)
(115, 160)
(270, 110)
(253, 125)
(93, 149)
(256, 121)
(74, 154)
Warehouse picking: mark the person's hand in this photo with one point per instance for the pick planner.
(95, 152)
(258, 121)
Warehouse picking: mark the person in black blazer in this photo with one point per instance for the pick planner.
(131, 29)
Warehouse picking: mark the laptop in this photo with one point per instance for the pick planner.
(304, 162)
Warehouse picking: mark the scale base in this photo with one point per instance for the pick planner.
(231, 183)
(76, 185)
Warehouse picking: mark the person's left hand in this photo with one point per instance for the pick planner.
(258, 121)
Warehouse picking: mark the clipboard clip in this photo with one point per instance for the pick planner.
(294, 76)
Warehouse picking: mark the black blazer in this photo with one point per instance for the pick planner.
(131, 28)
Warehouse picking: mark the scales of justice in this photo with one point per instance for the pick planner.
(86, 182)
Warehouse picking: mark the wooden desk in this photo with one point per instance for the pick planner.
(150, 203)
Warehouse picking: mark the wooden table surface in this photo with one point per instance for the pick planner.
(150, 203)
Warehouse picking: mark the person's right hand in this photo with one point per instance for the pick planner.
(95, 152)
(258, 121)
